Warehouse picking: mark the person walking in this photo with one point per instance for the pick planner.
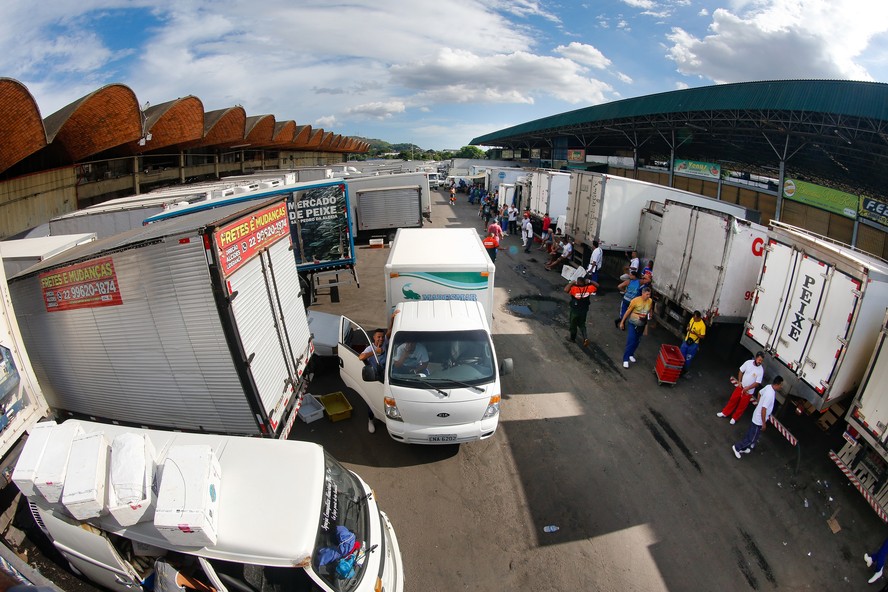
(513, 219)
(630, 289)
(763, 411)
(632, 267)
(636, 317)
(877, 560)
(695, 333)
(527, 233)
(748, 379)
(496, 229)
(579, 290)
(595, 262)
(504, 219)
(491, 243)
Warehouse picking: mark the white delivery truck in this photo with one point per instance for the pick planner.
(194, 323)
(439, 383)
(706, 261)
(384, 203)
(549, 191)
(439, 264)
(864, 456)
(221, 513)
(608, 208)
(21, 399)
(816, 313)
(496, 177)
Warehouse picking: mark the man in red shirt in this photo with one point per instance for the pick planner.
(491, 243)
(579, 290)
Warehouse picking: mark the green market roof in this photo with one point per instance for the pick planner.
(825, 128)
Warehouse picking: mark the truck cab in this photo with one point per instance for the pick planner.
(439, 382)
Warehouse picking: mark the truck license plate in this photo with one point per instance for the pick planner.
(443, 438)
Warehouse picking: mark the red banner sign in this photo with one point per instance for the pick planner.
(241, 240)
(84, 285)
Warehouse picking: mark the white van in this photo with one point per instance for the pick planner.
(434, 180)
(447, 390)
(279, 504)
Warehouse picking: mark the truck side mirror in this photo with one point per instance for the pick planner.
(368, 373)
(506, 366)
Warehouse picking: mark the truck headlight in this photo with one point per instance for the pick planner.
(492, 407)
(391, 409)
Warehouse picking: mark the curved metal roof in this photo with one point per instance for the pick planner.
(826, 128)
(20, 124)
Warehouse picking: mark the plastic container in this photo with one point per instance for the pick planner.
(25, 471)
(53, 467)
(86, 476)
(336, 406)
(310, 410)
(670, 363)
(142, 509)
(187, 511)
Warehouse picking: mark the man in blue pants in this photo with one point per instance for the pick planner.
(760, 416)
(879, 559)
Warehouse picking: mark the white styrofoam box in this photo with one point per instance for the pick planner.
(141, 498)
(188, 501)
(311, 409)
(86, 476)
(51, 471)
(26, 466)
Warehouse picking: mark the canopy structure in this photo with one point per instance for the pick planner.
(820, 129)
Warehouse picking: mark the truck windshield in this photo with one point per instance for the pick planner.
(441, 358)
(345, 523)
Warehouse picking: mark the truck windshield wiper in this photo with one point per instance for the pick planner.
(464, 384)
(423, 382)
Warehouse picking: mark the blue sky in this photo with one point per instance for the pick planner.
(435, 73)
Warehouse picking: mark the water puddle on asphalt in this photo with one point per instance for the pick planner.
(543, 308)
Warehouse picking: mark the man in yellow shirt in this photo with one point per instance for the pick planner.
(691, 344)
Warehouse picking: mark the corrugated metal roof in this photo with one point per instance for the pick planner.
(855, 99)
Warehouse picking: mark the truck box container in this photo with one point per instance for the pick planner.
(383, 203)
(193, 323)
(816, 313)
(439, 264)
(706, 261)
(549, 192)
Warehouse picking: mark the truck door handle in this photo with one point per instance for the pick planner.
(341, 363)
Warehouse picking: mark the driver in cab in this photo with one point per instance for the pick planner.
(411, 357)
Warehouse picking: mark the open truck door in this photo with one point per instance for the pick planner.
(352, 341)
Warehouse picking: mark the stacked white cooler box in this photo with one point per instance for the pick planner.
(92, 478)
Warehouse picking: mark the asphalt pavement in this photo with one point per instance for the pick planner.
(639, 478)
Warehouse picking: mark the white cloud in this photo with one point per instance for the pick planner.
(327, 121)
(782, 39)
(681, 85)
(703, 12)
(582, 53)
(644, 4)
(458, 76)
(623, 78)
(378, 110)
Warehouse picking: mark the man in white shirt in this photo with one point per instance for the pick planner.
(566, 253)
(632, 267)
(527, 233)
(410, 357)
(748, 379)
(760, 416)
(595, 262)
(513, 219)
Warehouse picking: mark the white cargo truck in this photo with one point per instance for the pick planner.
(225, 513)
(439, 383)
(608, 208)
(864, 456)
(439, 264)
(816, 313)
(706, 261)
(194, 323)
(549, 191)
(21, 398)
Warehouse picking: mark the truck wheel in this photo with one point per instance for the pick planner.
(306, 287)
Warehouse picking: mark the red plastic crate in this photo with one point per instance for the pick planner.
(669, 365)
